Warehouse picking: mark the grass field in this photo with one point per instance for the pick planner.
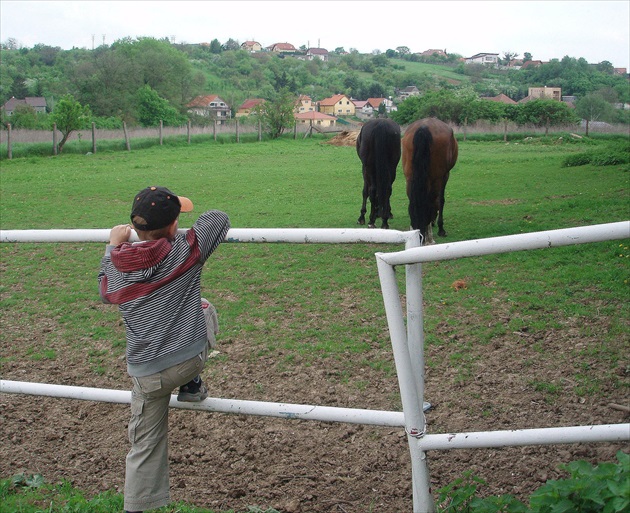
(316, 301)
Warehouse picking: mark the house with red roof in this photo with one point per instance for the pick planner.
(210, 106)
(532, 64)
(252, 46)
(432, 53)
(314, 118)
(317, 53)
(337, 105)
(304, 104)
(501, 98)
(282, 48)
(373, 104)
(248, 106)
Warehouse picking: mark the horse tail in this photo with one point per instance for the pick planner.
(384, 176)
(419, 205)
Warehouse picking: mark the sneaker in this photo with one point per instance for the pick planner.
(193, 392)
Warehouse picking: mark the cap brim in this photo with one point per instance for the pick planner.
(186, 204)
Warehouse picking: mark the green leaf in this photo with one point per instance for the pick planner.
(35, 481)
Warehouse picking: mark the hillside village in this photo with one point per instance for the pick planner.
(330, 111)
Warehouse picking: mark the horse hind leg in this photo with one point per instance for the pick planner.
(361, 219)
(440, 220)
(373, 207)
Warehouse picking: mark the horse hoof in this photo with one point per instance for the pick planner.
(442, 233)
(371, 226)
(361, 221)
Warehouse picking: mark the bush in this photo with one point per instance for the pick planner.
(614, 154)
(603, 488)
(588, 489)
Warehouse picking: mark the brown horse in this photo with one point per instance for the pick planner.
(429, 152)
(378, 147)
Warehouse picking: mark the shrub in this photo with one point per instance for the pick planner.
(588, 489)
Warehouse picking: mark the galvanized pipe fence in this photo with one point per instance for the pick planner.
(407, 340)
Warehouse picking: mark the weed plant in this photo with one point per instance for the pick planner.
(601, 488)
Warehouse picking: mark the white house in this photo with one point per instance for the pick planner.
(489, 59)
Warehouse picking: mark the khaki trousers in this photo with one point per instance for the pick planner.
(147, 472)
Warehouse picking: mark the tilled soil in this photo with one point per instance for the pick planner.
(232, 461)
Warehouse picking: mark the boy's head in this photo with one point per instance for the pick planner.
(155, 208)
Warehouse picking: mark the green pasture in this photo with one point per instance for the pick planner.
(317, 300)
(495, 189)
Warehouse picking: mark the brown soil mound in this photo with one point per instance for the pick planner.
(345, 138)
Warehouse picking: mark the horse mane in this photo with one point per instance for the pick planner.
(419, 205)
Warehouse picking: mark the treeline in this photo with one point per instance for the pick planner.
(465, 108)
(139, 81)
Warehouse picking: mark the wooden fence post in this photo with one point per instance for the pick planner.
(238, 134)
(188, 130)
(126, 136)
(259, 130)
(161, 124)
(9, 148)
(93, 137)
(54, 138)
(214, 130)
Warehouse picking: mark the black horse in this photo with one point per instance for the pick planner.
(429, 153)
(378, 147)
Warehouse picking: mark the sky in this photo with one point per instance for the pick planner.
(596, 30)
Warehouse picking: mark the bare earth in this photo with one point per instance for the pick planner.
(234, 462)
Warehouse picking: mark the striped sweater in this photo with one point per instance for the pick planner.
(157, 287)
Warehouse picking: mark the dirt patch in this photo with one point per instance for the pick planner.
(345, 138)
(227, 461)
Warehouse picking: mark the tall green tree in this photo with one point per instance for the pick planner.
(545, 113)
(69, 116)
(152, 109)
(594, 107)
(278, 114)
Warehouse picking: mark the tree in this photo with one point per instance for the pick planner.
(606, 67)
(545, 113)
(231, 44)
(527, 57)
(278, 114)
(152, 109)
(24, 116)
(594, 107)
(402, 50)
(69, 116)
(508, 57)
(215, 46)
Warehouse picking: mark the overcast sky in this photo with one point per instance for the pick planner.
(596, 30)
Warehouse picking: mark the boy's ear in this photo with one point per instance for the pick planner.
(172, 228)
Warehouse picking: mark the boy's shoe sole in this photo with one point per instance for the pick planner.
(188, 397)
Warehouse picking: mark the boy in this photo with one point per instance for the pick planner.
(156, 284)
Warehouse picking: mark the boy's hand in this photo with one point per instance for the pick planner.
(119, 234)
